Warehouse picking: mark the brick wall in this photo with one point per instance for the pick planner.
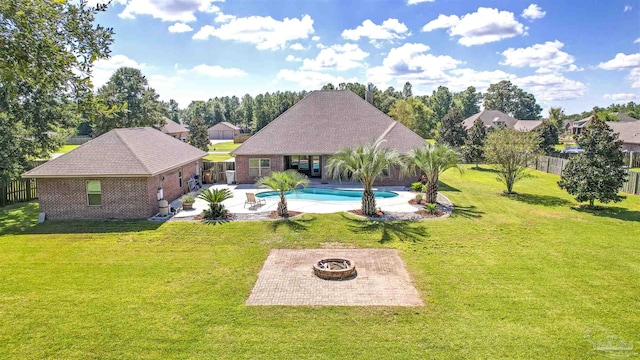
(122, 198)
(242, 166)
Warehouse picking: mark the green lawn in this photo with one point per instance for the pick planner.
(635, 169)
(217, 157)
(224, 147)
(522, 277)
(66, 148)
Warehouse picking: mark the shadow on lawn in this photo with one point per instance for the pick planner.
(92, 226)
(15, 219)
(469, 212)
(545, 200)
(483, 169)
(614, 212)
(446, 187)
(401, 230)
(293, 225)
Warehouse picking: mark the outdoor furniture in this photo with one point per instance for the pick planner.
(253, 200)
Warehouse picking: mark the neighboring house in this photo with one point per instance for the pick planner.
(575, 127)
(321, 124)
(628, 132)
(117, 175)
(495, 118)
(223, 131)
(174, 129)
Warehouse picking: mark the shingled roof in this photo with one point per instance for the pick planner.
(131, 152)
(172, 127)
(629, 131)
(325, 122)
(489, 119)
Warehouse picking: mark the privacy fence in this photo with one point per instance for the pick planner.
(16, 191)
(554, 165)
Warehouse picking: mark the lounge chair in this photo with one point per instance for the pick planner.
(253, 201)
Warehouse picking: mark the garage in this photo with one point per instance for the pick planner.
(223, 131)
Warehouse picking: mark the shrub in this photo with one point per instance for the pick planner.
(417, 186)
(188, 199)
(418, 197)
(215, 197)
(431, 208)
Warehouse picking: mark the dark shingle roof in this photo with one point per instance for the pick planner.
(326, 121)
(119, 153)
(488, 118)
(629, 131)
(527, 125)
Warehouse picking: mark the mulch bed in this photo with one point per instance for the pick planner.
(425, 214)
(415, 202)
(224, 218)
(379, 213)
(274, 215)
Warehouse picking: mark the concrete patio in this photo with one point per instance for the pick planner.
(236, 204)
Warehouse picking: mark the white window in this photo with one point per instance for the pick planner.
(94, 193)
(259, 167)
(180, 178)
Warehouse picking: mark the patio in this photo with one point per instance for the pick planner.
(236, 205)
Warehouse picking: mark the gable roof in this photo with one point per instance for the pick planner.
(489, 118)
(527, 125)
(131, 152)
(172, 127)
(326, 121)
(629, 131)
(224, 124)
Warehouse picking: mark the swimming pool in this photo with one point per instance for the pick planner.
(317, 194)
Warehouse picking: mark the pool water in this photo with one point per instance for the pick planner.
(317, 194)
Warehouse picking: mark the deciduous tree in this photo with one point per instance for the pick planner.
(510, 99)
(511, 151)
(452, 133)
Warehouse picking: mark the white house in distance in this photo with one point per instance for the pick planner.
(223, 131)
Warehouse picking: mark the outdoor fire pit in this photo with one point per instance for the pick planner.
(334, 269)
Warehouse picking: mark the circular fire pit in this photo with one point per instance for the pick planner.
(334, 269)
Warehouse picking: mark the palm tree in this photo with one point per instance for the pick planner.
(433, 160)
(215, 197)
(283, 181)
(364, 163)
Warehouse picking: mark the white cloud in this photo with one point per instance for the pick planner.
(413, 2)
(223, 18)
(621, 61)
(104, 68)
(293, 58)
(627, 8)
(460, 79)
(297, 46)
(337, 57)
(168, 10)
(634, 78)
(262, 31)
(180, 28)
(551, 87)
(410, 62)
(621, 98)
(389, 29)
(546, 57)
(217, 71)
(311, 80)
(442, 22)
(533, 12)
(636, 41)
(483, 26)
(315, 38)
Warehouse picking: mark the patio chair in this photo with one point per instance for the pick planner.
(253, 201)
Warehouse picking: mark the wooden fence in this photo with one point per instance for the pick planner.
(16, 191)
(632, 159)
(554, 165)
(78, 140)
(214, 172)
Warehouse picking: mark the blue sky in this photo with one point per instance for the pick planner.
(573, 54)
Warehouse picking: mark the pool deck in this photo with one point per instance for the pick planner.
(236, 204)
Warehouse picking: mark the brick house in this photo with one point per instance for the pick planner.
(116, 176)
(305, 136)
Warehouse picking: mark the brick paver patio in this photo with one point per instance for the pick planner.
(287, 279)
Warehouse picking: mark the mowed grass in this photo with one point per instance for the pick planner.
(523, 276)
(224, 146)
(217, 157)
(66, 148)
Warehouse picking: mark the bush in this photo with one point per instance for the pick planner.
(419, 197)
(431, 208)
(188, 199)
(417, 186)
(215, 211)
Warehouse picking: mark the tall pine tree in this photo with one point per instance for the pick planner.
(474, 145)
(198, 135)
(597, 173)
